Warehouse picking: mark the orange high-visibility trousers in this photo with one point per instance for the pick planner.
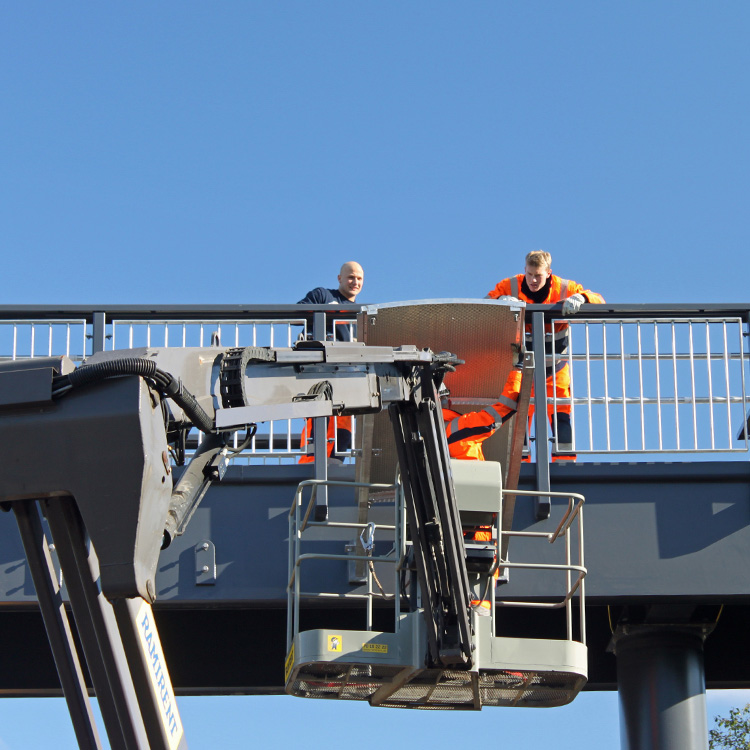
(338, 438)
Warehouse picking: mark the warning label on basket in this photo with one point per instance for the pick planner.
(378, 648)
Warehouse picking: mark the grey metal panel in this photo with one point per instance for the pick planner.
(106, 447)
(245, 518)
(651, 531)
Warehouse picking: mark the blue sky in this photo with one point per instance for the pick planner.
(238, 152)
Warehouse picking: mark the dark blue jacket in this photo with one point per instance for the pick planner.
(322, 296)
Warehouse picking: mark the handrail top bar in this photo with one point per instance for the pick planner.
(261, 312)
(189, 312)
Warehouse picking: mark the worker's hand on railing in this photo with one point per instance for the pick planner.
(573, 304)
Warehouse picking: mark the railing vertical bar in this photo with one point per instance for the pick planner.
(588, 387)
(49, 340)
(582, 590)
(691, 349)
(676, 390)
(624, 384)
(569, 355)
(726, 382)
(658, 382)
(605, 361)
(710, 385)
(15, 341)
(568, 579)
(640, 384)
(554, 386)
(33, 339)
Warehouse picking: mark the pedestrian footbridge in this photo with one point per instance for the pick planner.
(660, 576)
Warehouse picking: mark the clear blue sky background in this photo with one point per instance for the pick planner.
(238, 152)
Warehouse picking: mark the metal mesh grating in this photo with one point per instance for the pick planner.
(435, 688)
(505, 688)
(343, 681)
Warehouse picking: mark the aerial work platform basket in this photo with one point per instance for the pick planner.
(391, 668)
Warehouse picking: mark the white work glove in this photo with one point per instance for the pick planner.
(573, 304)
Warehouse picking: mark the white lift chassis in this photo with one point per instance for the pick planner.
(93, 447)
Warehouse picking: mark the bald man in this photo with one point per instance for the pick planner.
(339, 429)
(351, 277)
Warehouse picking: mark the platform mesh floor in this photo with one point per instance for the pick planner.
(435, 688)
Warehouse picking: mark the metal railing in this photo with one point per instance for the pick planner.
(645, 380)
(79, 332)
(300, 521)
(574, 573)
(23, 338)
(302, 527)
(130, 334)
(656, 384)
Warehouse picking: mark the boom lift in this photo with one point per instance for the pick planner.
(91, 446)
(442, 650)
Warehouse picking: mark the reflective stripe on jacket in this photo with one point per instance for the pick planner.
(467, 432)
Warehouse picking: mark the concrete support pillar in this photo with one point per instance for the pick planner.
(662, 688)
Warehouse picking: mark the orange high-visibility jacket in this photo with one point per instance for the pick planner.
(467, 432)
(559, 289)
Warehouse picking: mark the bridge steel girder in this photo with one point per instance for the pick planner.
(660, 538)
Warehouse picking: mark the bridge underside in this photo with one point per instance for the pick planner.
(241, 651)
(666, 544)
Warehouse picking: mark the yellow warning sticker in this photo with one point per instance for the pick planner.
(289, 663)
(378, 648)
(335, 643)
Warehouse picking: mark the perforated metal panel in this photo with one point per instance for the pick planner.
(486, 334)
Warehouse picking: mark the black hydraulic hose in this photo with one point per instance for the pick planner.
(175, 390)
(166, 383)
(111, 368)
